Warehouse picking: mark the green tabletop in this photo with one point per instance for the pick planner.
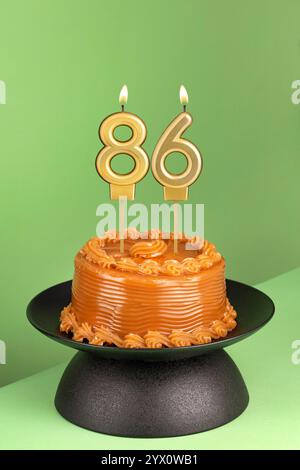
(268, 361)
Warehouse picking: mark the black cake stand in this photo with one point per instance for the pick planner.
(152, 392)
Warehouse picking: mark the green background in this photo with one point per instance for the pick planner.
(64, 62)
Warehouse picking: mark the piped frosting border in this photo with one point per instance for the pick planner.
(148, 246)
(101, 335)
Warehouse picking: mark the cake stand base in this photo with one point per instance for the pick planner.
(151, 399)
(152, 392)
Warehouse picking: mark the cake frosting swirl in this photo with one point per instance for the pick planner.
(148, 296)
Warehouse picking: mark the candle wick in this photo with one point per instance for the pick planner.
(184, 108)
(122, 108)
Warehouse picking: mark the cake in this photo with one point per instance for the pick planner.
(148, 296)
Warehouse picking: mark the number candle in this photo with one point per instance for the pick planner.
(176, 185)
(122, 185)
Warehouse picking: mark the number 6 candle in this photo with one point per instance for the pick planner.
(176, 186)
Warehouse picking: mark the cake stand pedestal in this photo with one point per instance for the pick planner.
(152, 392)
(151, 399)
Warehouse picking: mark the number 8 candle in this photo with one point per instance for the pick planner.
(122, 185)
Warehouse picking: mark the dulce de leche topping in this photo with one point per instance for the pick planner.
(151, 256)
(148, 296)
(148, 249)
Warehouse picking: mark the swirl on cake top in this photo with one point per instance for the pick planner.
(151, 253)
(148, 249)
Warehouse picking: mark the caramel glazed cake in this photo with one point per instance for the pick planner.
(148, 297)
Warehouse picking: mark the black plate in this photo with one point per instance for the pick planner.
(254, 310)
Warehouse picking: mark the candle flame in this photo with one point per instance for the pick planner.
(123, 95)
(184, 97)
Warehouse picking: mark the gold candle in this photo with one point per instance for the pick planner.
(176, 186)
(122, 184)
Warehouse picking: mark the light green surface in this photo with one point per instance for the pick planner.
(64, 62)
(272, 419)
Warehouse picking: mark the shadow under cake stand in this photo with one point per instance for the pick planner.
(152, 392)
